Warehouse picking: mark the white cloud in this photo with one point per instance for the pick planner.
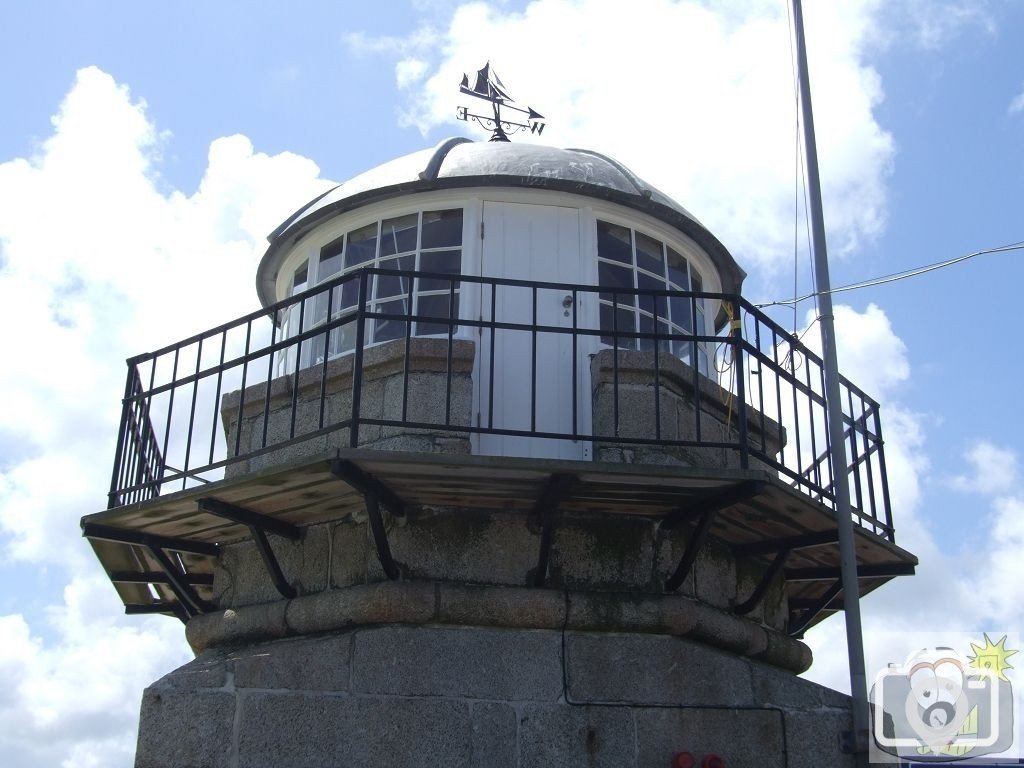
(993, 470)
(100, 261)
(75, 701)
(99, 264)
(698, 99)
(1016, 104)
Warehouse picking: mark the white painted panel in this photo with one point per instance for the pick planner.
(539, 243)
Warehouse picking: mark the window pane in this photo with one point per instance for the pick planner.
(442, 228)
(647, 303)
(330, 259)
(647, 326)
(614, 276)
(677, 272)
(626, 321)
(680, 307)
(362, 245)
(390, 329)
(389, 286)
(649, 255)
(613, 242)
(435, 306)
(398, 235)
(300, 280)
(445, 262)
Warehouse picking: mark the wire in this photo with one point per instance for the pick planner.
(892, 278)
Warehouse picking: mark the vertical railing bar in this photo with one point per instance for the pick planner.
(216, 396)
(192, 412)
(575, 367)
(695, 366)
(815, 467)
(409, 312)
(115, 475)
(490, 374)
(778, 395)
(760, 387)
(657, 370)
(241, 391)
(867, 460)
(741, 392)
(615, 364)
(328, 330)
(170, 402)
(533, 364)
(883, 476)
(858, 490)
(357, 363)
(828, 439)
(295, 374)
(268, 389)
(449, 361)
(796, 405)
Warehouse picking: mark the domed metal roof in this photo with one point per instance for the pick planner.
(460, 162)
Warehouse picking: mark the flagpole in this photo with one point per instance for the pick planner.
(840, 479)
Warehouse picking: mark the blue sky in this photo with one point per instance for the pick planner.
(146, 150)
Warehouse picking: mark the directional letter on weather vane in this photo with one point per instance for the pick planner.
(489, 87)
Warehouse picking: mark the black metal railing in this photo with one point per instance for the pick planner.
(753, 396)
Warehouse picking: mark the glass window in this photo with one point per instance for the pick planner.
(429, 241)
(628, 259)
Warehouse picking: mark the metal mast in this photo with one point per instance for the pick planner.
(834, 408)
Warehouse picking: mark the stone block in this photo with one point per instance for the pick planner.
(318, 731)
(500, 606)
(653, 669)
(602, 554)
(742, 738)
(314, 664)
(350, 547)
(465, 546)
(231, 627)
(503, 664)
(714, 575)
(381, 603)
(576, 737)
(812, 739)
(185, 730)
(494, 735)
(208, 670)
(248, 581)
(779, 688)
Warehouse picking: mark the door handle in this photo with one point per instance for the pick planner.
(567, 301)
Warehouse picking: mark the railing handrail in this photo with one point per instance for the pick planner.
(141, 456)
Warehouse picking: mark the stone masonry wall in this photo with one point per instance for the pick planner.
(382, 393)
(681, 407)
(463, 697)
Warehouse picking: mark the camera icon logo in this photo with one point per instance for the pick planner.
(940, 707)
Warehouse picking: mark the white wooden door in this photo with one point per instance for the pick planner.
(533, 387)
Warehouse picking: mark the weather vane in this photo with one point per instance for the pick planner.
(489, 87)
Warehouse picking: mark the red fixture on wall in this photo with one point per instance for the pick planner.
(683, 760)
(712, 761)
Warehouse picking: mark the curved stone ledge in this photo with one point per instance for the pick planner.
(420, 603)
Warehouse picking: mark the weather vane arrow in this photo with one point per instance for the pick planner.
(488, 87)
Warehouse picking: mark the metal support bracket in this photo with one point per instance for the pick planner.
(365, 483)
(374, 494)
(177, 580)
(816, 608)
(258, 525)
(762, 588)
(693, 548)
(544, 512)
(713, 502)
(771, 546)
(156, 577)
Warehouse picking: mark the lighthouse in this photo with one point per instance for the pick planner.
(502, 471)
